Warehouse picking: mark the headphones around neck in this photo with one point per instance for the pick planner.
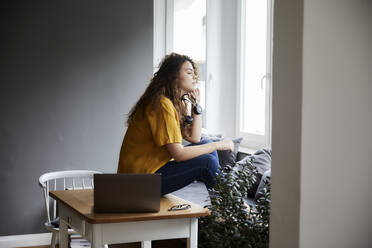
(195, 107)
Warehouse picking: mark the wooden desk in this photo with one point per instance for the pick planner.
(76, 210)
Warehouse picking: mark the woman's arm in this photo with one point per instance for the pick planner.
(196, 126)
(181, 153)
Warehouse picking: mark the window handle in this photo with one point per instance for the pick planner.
(267, 75)
(210, 80)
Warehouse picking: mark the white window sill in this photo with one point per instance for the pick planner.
(246, 149)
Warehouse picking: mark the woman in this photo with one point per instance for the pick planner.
(158, 122)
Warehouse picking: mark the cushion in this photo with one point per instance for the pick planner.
(262, 185)
(241, 155)
(195, 192)
(226, 158)
(213, 137)
(261, 161)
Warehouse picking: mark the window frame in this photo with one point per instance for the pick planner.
(163, 39)
(253, 140)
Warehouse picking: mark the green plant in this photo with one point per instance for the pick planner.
(232, 223)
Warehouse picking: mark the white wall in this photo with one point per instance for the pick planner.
(322, 124)
(336, 163)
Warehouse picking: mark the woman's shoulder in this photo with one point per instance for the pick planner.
(165, 99)
(166, 102)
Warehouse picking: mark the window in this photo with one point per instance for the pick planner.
(189, 35)
(254, 72)
(180, 26)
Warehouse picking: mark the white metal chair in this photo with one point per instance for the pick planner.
(62, 180)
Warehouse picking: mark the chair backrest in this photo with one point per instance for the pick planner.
(63, 180)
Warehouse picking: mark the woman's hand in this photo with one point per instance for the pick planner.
(195, 93)
(225, 145)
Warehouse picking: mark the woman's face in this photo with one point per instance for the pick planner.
(187, 79)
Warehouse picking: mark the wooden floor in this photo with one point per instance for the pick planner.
(171, 243)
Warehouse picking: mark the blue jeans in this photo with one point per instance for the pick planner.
(176, 175)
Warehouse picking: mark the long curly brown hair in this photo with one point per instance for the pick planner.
(164, 82)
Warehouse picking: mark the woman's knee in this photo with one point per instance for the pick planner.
(212, 164)
(205, 141)
(201, 142)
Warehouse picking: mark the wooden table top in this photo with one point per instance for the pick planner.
(81, 201)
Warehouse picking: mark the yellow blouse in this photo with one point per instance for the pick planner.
(143, 149)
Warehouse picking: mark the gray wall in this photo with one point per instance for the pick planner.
(286, 123)
(70, 71)
(322, 121)
(336, 164)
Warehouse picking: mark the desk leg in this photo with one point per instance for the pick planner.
(192, 241)
(97, 236)
(63, 234)
(146, 244)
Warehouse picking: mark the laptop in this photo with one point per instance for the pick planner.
(127, 193)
